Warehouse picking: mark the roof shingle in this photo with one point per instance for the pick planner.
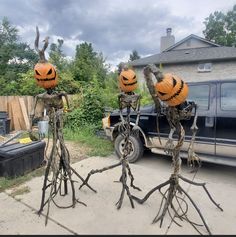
(189, 55)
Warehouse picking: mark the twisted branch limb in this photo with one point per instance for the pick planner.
(36, 45)
(127, 101)
(85, 182)
(123, 180)
(58, 163)
(174, 115)
(168, 196)
(193, 158)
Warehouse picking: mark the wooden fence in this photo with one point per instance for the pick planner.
(19, 109)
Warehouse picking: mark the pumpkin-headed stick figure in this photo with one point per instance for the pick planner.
(173, 91)
(128, 100)
(58, 170)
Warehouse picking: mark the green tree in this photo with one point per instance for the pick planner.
(90, 72)
(15, 57)
(88, 64)
(109, 94)
(67, 83)
(84, 62)
(27, 84)
(89, 109)
(56, 56)
(134, 55)
(221, 28)
(8, 38)
(64, 69)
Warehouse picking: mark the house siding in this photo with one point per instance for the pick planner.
(188, 72)
(192, 43)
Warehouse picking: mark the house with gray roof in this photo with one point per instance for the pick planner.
(193, 59)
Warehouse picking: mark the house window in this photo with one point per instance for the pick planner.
(228, 96)
(204, 67)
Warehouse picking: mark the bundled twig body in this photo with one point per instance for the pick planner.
(172, 195)
(128, 101)
(58, 170)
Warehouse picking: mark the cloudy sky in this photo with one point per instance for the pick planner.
(114, 27)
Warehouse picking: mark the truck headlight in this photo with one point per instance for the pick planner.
(106, 123)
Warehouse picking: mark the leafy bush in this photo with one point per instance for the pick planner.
(109, 94)
(89, 110)
(27, 84)
(145, 95)
(85, 135)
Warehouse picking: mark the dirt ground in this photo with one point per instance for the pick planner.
(77, 151)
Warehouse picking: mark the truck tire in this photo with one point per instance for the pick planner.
(137, 147)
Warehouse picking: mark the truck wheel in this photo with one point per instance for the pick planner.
(136, 144)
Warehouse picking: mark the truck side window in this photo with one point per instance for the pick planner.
(200, 95)
(228, 96)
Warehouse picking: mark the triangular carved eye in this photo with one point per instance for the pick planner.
(126, 79)
(37, 72)
(49, 72)
(161, 93)
(134, 77)
(174, 82)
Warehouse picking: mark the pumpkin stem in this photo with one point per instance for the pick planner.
(36, 45)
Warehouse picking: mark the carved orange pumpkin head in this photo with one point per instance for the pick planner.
(172, 90)
(45, 75)
(127, 80)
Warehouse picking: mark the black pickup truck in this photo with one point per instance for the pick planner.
(216, 135)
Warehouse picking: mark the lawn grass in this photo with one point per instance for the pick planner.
(99, 146)
(11, 182)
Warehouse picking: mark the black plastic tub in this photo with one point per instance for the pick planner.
(4, 123)
(16, 159)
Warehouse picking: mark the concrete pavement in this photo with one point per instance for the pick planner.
(100, 216)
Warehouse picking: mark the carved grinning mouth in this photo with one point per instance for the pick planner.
(130, 84)
(46, 79)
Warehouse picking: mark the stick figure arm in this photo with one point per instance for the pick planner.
(32, 113)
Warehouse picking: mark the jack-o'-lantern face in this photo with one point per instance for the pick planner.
(45, 75)
(172, 90)
(127, 80)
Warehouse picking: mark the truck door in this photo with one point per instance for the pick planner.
(204, 94)
(226, 120)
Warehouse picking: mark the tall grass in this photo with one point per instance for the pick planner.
(87, 135)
